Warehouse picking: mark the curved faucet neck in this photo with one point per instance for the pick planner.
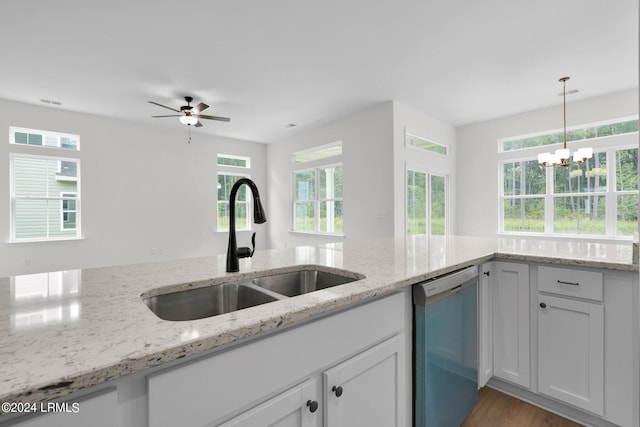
(232, 248)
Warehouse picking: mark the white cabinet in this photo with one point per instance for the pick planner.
(571, 352)
(297, 407)
(485, 325)
(569, 342)
(362, 349)
(363, 391)
(511, 320)
(571, 337)
(98, 409)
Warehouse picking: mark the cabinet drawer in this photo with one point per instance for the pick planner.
(570, 282)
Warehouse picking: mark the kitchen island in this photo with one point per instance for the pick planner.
(64, 340)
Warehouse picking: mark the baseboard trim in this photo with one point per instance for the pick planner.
(558, 408)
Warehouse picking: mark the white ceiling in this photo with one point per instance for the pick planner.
(268, 63)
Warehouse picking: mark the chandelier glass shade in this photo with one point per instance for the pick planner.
(563, 157)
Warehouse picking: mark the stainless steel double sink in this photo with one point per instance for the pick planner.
(212, 300)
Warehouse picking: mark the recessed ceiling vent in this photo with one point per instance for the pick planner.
(48, 101)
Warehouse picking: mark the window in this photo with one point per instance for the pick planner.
(42, 206)
(317, 190)
(23, 136)
(234, 161)
(415, 141)
(596, 198)
(600, 130)
(44, 187)
(228, 174)
(318, 200)
(426, 203)
(68, 210)
(318, 153)
(524, 187)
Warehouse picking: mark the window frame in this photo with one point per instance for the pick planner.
(237, 171)
(28, 154)
(317, 200)
(321, 150)
(609, 144)
(429, 174)
(70, 196)
(234, 157)
(559, 132)
(408, 133)
(247, 202)
(44, 133)
(521, 197)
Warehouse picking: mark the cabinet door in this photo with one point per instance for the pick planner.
(297, 407)
(367, 389)
(571, 352)
(100, 410)
(485, 325)
(511, 332)
(252, 371)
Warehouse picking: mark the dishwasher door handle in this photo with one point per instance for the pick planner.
(445, 284)
(456, 289)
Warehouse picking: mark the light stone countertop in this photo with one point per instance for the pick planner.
(65, 331)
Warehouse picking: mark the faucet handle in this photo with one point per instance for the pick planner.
(245, 252)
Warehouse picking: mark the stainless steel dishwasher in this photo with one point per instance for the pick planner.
(445, 349)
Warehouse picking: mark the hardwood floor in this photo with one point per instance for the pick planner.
(496, 409)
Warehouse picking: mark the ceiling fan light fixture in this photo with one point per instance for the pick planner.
(190, 115)
(188, 120)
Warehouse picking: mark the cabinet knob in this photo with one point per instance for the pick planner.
(543, 305)
(313, 405)
(337, 390)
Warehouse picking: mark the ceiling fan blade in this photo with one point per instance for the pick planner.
(163, 106)
(199, 107)
(198, 125)
(170, 115)
(222, 119)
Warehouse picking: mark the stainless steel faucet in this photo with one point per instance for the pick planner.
(233, 252)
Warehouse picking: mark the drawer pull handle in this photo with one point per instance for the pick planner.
(562, 282)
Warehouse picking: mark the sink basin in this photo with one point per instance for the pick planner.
(212, 300)
(302, 281)
(208, 301)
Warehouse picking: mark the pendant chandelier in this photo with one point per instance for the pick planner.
(562, 157)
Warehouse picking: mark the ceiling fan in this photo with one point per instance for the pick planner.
(189, 114)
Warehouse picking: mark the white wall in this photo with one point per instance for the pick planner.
(477, 160)
(367, 139)
(434, 130)
(374, 162)
(146, 193)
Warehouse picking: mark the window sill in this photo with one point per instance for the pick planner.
(237, 231)
(58, 240)
(574, 237)
(316, 233)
